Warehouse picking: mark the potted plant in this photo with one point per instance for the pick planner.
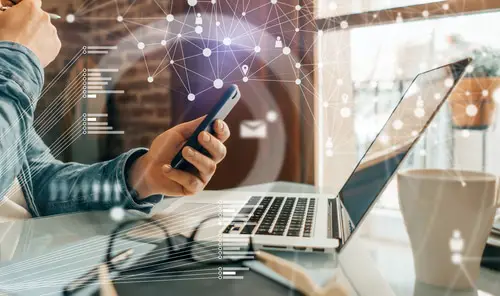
(472, 103)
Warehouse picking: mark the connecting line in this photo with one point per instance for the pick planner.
(151, 259)
(62, 72)
(11, 161)
(61, 144)
(92, 244)
(47, 110)
(30, 138)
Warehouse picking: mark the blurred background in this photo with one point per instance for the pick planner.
(319, 79)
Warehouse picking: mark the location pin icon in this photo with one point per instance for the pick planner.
(245, 69)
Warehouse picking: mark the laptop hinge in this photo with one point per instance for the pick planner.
(335, 221)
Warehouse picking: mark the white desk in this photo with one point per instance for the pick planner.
(382, 238)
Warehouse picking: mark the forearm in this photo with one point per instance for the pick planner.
(21, 81)
(65, 188)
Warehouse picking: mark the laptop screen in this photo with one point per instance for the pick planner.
(415, 111)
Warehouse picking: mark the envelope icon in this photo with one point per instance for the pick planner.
(253, 129)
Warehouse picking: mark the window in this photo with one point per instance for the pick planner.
(377, 64)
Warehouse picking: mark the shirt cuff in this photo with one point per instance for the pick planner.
(133, 203)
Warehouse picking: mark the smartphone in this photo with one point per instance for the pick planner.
(220, 111)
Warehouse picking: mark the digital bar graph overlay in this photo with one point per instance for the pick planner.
(97, 124)
(98, 82)
(233, 246)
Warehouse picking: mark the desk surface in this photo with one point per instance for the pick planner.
(383, 236)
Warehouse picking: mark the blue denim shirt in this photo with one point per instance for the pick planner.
(50, 186)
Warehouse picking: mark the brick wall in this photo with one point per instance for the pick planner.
(144, 110)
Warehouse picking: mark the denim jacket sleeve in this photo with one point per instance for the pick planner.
(50, 186)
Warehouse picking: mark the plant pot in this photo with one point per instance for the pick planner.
(472, 104)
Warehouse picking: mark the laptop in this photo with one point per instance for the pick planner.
(324, 223)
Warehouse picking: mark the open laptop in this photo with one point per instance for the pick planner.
(322, 223)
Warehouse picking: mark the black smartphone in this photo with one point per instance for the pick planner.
(220, 111)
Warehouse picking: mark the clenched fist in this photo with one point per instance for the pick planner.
(27, 24)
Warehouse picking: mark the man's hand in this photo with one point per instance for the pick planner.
(152, 173)
(27, 24)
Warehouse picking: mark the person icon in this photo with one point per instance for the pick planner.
(199, 20)
(329, 143)
(279, 43)
(456, 242)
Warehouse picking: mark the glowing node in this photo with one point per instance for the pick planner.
(446, 6)
(320, 65)
(298, 7)
(414, 133)
(274, 1)
(464, 184)
(117, 214)
(272, 116)
(437, 96)
(119, 18)
(345, 112)
(467, 93)
(471, 110)
(191, 97)
(298, 81)
(297, 30)
(397, 124)
(141, 45)
(419, 112)
(70, 18)
(192, 2)
(448, 82)
(286, 50)
(198, 29)
(465, 133)
(172, 62)
(344, 24)
(496, 95)
(150, 79)
(170, 18)
(163, 42)
(485, 92)
(227, 41)
(218, 83)
(245, 79)
(425, 13)
(207, 52)
(320, 33)
(375, 15)
(469, 69)
(213, 1)
(257, 49)
(217, 23)
(243, 13)
(298, 65)
(326, 104)
(179, 35)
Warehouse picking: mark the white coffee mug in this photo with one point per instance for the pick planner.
(448, 215)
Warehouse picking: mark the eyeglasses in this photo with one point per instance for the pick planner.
(206, 245)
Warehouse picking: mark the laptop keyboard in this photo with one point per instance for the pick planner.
(277, 216)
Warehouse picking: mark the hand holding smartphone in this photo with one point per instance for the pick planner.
(219, 112)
